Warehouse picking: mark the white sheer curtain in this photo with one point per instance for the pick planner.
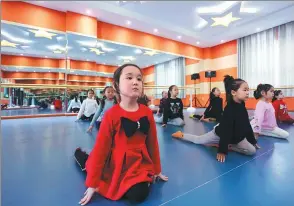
(268, 57)
(170, 73)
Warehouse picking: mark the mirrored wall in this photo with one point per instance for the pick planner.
(43, 70)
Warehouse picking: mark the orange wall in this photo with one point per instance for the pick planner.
(51, 77)
(11, 60)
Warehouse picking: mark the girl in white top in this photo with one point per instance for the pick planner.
(74, 105)
(88, 108)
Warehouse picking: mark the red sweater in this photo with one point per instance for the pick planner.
(117, 162)
(281, 110)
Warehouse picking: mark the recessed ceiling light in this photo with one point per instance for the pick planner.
(34, 71)
(138, 51)
(197, 42)
(21, 54)
(179, 37)
(129, 22)
(155, 30)
(45, 56)
(222, 41)
(88, 11)
(257, 29)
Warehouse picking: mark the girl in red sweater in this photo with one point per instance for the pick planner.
(125, 158)
(281, 108)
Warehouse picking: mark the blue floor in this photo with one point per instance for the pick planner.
(33, 111)
(38, 168)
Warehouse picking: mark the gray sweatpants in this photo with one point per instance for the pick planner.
(177, 121)
(211, 137)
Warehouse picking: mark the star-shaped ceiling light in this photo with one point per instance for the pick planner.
(150, 53)
(42, 33)
(97, 51)
(224, 13)
(5, 43)
(225, 20)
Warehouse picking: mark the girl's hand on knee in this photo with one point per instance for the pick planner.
(221, 157)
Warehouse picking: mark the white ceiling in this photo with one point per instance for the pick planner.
(183, 18)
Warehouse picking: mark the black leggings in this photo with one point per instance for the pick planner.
(137, 193)
(75, 110)
(83, 117)
(197, 116)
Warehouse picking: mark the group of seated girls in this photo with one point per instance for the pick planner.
(170, 110)
(235, 131)
(91, 111)
(125, 159)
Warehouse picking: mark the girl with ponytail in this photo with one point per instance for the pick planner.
(264, 121)
(215, 108)
(234, 128)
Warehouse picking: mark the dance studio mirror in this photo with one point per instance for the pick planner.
(93, 62)
(43, 70)
(33, 66)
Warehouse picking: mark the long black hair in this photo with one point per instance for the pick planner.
(261, 88)
(104, 97)
(211, 95)
(231, 84)
(276, 93)
(170, 90)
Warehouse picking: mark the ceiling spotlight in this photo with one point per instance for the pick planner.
(257, 29)
(129, 22)
(197, 42)
(45, 56)
(155, 30)
(88, 11)
(138, 51)
(222, 41)
(21, 54)
(179, 37)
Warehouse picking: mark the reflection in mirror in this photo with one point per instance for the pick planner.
(31, 56)
(92, 61)
(76, 96)
(32, 101)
